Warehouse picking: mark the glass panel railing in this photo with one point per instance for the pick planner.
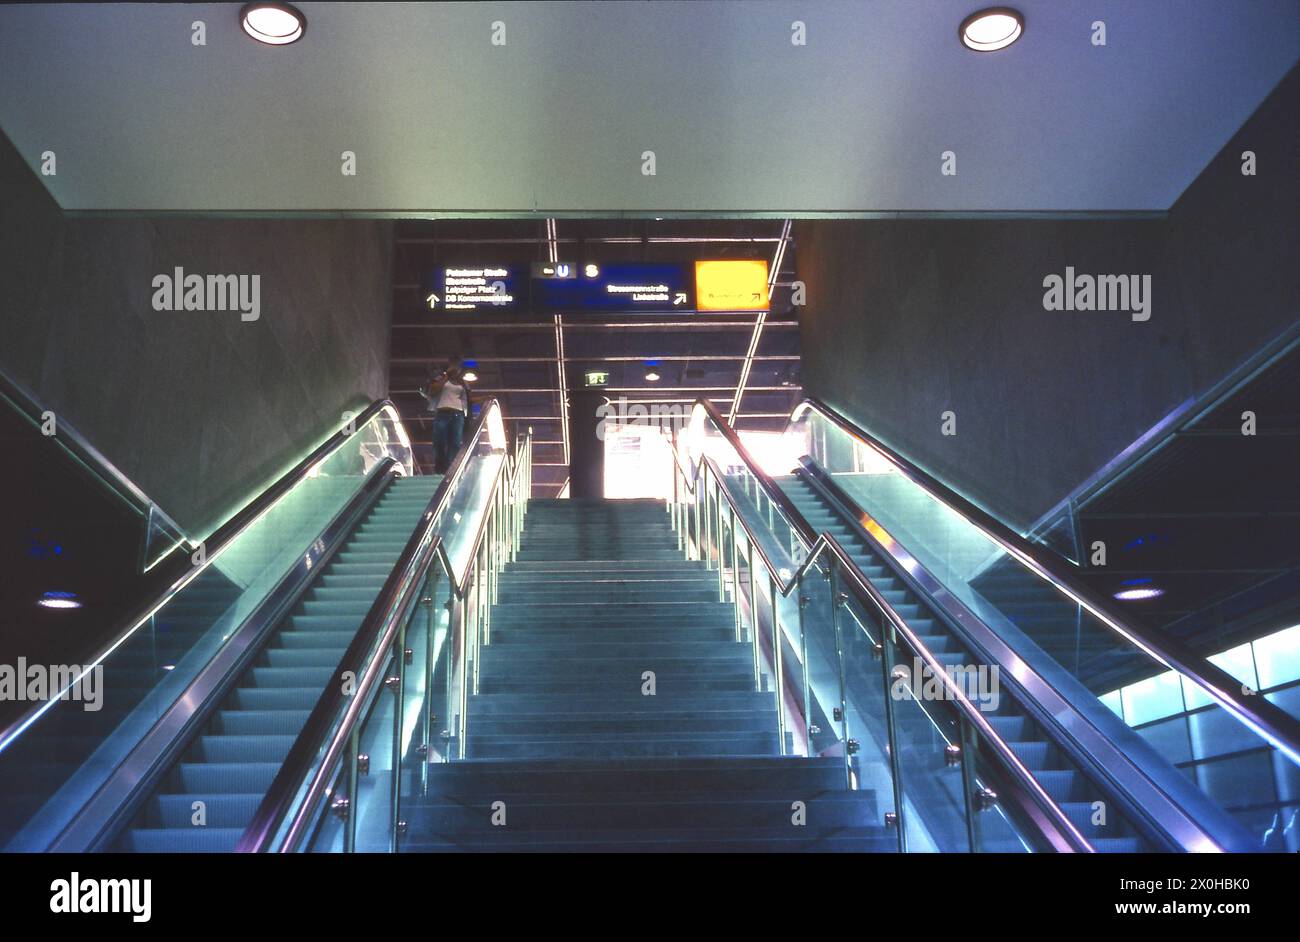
(377, 758)
(830, 722)
(867, 708)
(386, 751)
(775, 535)
(63, 750)
(1082, 649)
(790, 617)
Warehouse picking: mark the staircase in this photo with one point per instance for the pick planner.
(617, 711)
(1066, 786)
(231, 764)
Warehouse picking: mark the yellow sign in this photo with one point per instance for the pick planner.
(732, 285)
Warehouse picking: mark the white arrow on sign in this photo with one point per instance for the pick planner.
(680, 298)
(432, 299)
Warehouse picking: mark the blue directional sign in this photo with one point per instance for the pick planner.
(624, 286)
(561, 287)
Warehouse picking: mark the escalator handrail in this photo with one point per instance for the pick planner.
(213, 545)
(399, 592)
(1269, 721)
(1056, 827)
(76, 445)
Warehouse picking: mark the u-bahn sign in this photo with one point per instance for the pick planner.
(616, 287)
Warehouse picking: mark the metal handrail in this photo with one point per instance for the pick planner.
(1062, 832)
(213, 546)
(773, 492)
(109, 476)
(382, 620)
(1270, 722)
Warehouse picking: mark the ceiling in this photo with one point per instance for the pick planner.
(740, 119)
(518, 357)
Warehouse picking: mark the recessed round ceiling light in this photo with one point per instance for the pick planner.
(652, 375)
(990, 29)
(59, 600)
(276, 24)
(470, 376)
(1137, 595)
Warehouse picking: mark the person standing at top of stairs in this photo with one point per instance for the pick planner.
(448, 398)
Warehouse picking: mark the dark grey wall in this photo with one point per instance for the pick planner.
(906, 319)
(199, 409)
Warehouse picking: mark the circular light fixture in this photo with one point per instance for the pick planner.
(470, 376)
(276, 24)
(991, 29)
(1138, 595)
(59, 600)
(652, 375)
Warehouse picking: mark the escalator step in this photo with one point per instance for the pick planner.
(261, 722)
(261, 747)
(182, 840)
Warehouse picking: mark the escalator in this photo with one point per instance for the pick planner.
(207, 688)
(1071, 665)
(1072, 791)
(229, 766)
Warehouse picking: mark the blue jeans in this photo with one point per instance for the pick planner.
(448, 428)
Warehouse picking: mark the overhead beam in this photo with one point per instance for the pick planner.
(537, 390)
(772, 357)
(594, 240)
(745, 324)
